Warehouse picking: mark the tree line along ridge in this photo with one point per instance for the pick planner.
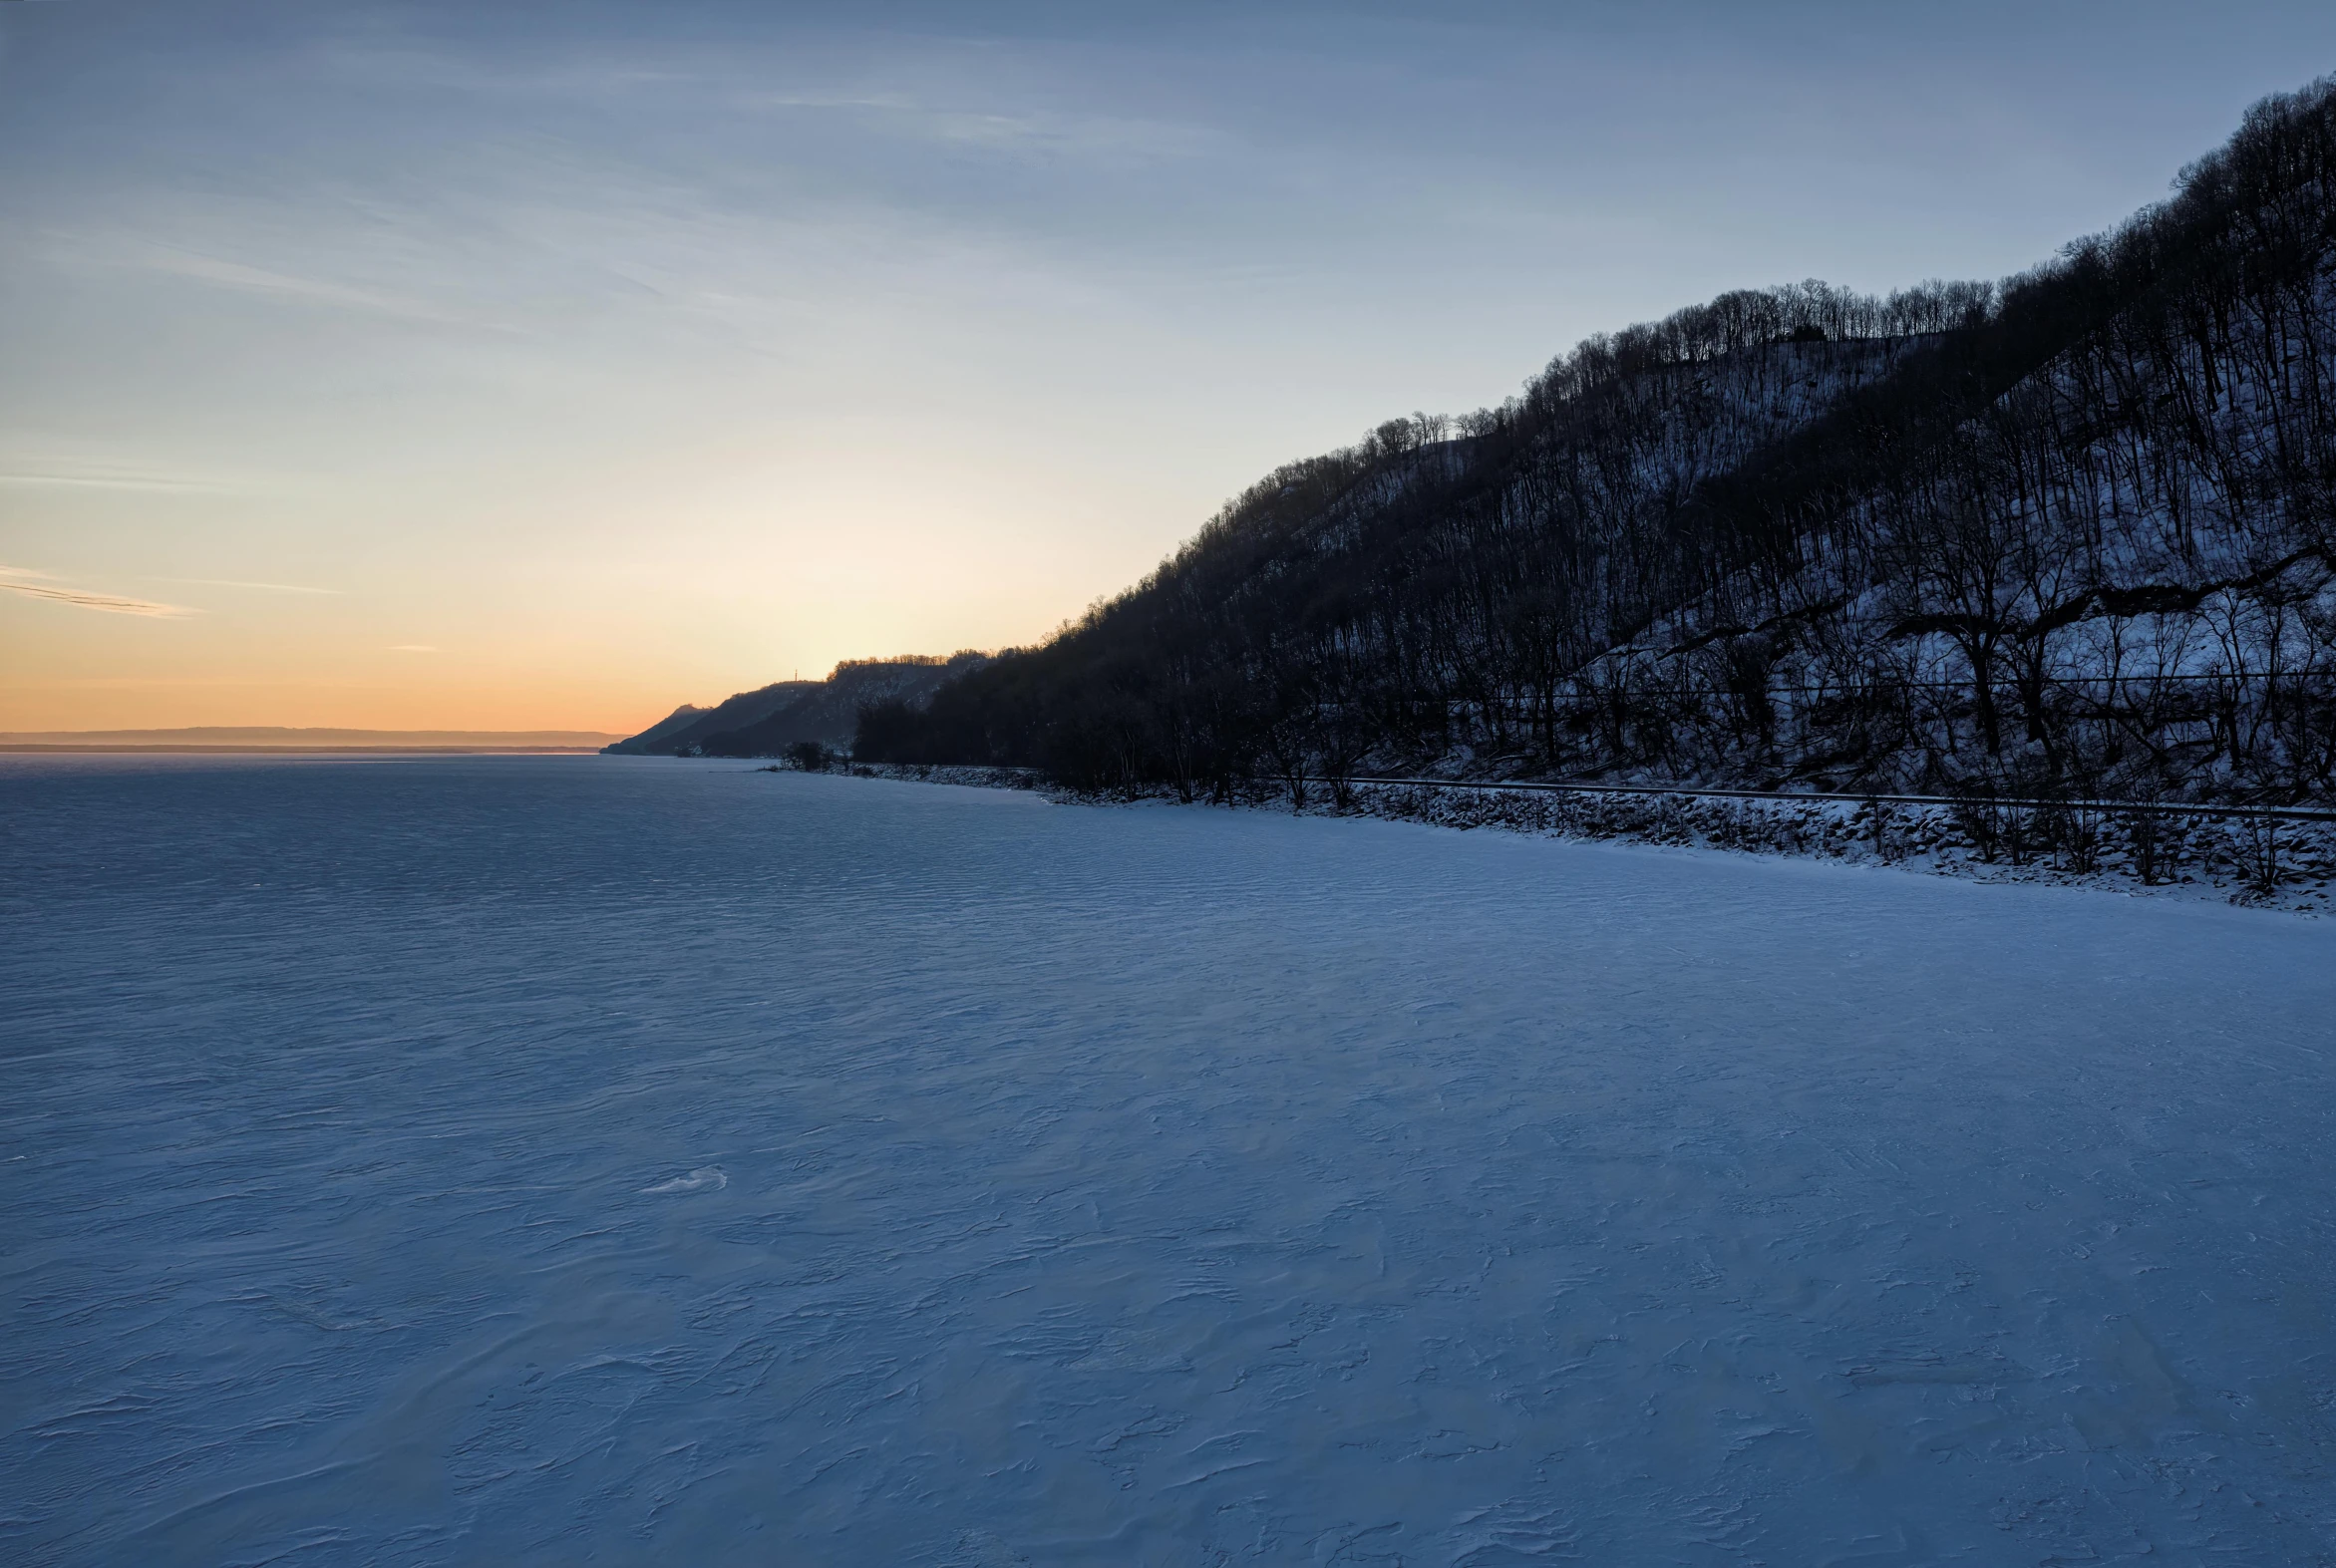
(2071, 533)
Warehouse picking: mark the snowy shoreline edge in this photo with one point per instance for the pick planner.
(2289, 866)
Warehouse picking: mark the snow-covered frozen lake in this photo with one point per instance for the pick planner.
(551, 1160)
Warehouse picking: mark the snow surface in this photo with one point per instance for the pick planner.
(542, 1160)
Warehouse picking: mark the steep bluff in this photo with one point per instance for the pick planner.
(2075, 532)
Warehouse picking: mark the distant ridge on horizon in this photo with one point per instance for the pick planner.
(281, 737)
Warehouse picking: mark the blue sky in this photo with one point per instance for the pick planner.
(550, 363)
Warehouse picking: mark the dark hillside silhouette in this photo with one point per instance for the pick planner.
(2073, 532)
(778, 720)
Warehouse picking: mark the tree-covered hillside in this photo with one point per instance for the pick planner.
(2072, 531)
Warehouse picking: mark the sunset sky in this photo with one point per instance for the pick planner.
(548, 365)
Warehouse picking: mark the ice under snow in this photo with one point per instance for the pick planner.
(615, 1160)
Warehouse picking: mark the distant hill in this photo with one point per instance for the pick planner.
(276, 738)
(671, 724)
(765, 722)
(2073, 532)
(679, 733)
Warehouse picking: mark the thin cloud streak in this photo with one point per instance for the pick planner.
(1091, 138)
(112, 604)
(269, 587)
(85, 249)
(315, 291)
(107, 483)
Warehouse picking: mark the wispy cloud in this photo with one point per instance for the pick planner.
(235, 582)
(1110, 139)
(284, 285)
(50, 460)
(113, 248)
(108, 481)
(15, 582)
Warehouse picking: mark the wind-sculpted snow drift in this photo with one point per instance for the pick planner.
(639, 1160)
